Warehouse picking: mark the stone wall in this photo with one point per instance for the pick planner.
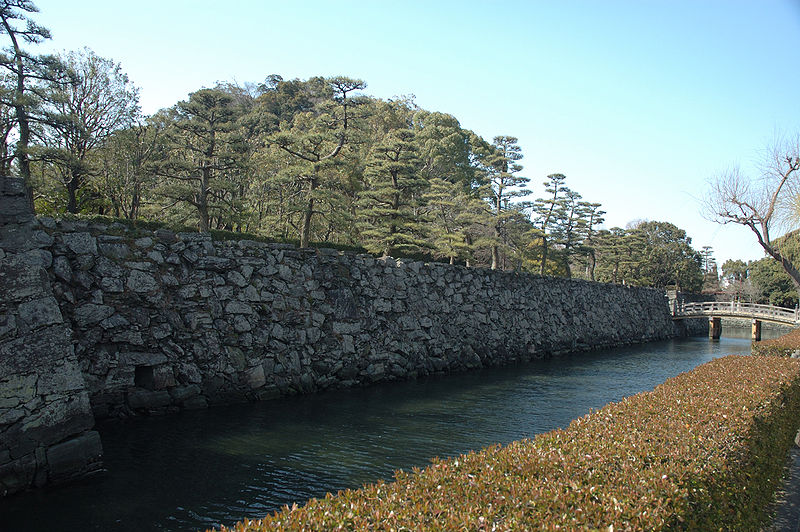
(151, 322)
(45, 414)
(165, 321)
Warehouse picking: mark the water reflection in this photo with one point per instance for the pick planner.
(198, 469)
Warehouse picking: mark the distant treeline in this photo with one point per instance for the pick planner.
(315, 160)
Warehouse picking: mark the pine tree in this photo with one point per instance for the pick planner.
(202, 153)
(315, 139)
(505, 185)
(545, 212)
(28, 73)
(594, 217)
(390, 221)
(455, 218)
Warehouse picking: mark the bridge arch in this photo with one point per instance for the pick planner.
(716, 310)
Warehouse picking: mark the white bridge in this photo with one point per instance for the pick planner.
(715, 310)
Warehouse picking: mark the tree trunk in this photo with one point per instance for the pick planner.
(202, 202)
(591, 265)
(72, 193)
(308, 213)
(544, 256)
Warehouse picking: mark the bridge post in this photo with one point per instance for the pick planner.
(756, 329)
(714, 328)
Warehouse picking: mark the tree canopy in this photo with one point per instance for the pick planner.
(314, 160)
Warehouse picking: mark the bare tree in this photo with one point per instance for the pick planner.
(761, 204)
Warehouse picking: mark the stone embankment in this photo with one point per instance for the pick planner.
(99, 320)
(46, 420)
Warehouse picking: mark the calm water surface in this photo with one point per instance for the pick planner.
(197, 469)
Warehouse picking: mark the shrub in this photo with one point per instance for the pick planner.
(783, 346)
(703, 451)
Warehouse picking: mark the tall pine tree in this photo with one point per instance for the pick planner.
(391, 222)
(505, 185)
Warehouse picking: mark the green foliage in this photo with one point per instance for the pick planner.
(703, 451)
(504, 184)
(314, 140)
(312, 160)
(456, 219)
(545, 212)
(390, 221)
(734, 270)
(97, 101)
(656, 254)
(25, 83)
(125, 168)
(773, 283)
(767, 277)
(204, 156)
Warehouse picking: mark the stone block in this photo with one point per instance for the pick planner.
(116, 320)
(183, 393)
(159, 332)
(74, 457)
(268, 392)
(139, 399)
(139, 281)
(236, 278)
(17, 238)
(19, 280)
(17, 475)
(80, 243)
(141, 358)
(91, 313)
(8, 325)
(39, 313)
(114, 250)
(62, 269)
(238, 307)
(215, 264)
(128, 336)
(156, 257)
(163, 377)
(37, 258)
(60, 418)
(255, 377)
(241, 324)
(144, 242)
(62, 378)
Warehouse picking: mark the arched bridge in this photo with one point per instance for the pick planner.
(715, 310)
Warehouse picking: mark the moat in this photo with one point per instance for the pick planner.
(198, 469)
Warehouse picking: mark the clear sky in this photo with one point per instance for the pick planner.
(639, 103)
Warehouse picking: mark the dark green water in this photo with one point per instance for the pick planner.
(197, 469)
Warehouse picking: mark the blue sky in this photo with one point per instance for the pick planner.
(638, 103)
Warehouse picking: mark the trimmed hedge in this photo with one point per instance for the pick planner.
(703, 451)
(783, 346)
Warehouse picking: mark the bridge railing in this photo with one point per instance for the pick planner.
(736, 308)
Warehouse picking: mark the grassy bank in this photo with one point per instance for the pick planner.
(704, 451)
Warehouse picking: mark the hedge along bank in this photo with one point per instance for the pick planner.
(703, 451)
(787, 345)
(156, 321)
